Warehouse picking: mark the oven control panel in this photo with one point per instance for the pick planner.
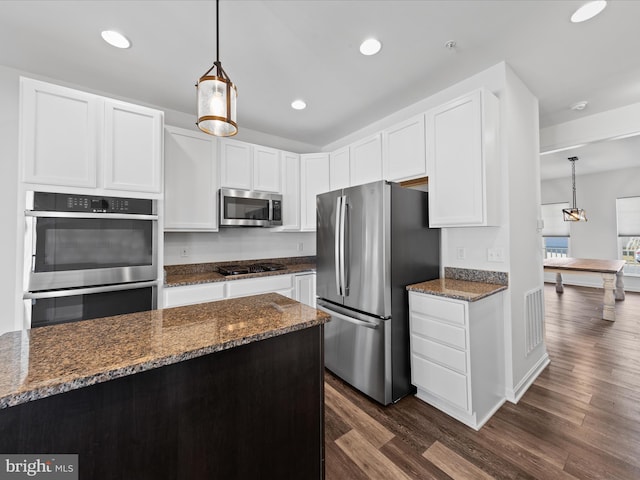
(63, 202)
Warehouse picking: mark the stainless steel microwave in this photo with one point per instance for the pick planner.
(243, 208)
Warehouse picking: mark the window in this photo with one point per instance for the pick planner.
(555, 233)
(628, 216)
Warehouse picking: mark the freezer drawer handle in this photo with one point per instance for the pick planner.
(362, 323)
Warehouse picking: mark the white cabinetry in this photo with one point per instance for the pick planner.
(305, 289)
(314, 179)
(463, 162)
(266, 169)
(339, 175)
(404, 150)
(249, 167)
(366, 160)
(76, 139)
(457, 360)
(290, 191)
(190, 181)
(190, 294)
(235, 164)
(282, 284)
(132, 147)
(58, 134)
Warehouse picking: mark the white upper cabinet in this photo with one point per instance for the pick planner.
(58, 134)
(235, 164)
(314, 179)
(132, 147)
(76, 139)
(249, 167)
(404, 150)
(290, 191)
(366, 160)
(463, 162)
(339, 169)
(266, 169)
(190, 181)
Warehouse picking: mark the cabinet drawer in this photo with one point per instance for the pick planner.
(448, 310)
(448, 356)
(440, 381)
(439, 331)
(253, 286)
(190, 294)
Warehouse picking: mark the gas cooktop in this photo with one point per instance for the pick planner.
(252, 268)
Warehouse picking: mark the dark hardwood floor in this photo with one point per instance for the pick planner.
(580, 419)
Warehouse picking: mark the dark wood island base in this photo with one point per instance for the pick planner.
(252, 411)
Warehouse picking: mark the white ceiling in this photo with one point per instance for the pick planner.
(276, 51)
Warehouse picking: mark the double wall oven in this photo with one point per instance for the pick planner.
(88, 256)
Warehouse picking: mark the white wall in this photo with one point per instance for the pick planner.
(523, 209)
(596, 238)
(10, 276)
(237, 244)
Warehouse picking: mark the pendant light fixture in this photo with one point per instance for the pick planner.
(574, 214)
(217, 97)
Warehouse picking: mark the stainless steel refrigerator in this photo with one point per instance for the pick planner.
(372, 241)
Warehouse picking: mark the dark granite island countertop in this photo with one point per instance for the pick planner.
(227, 389)
(44, 361)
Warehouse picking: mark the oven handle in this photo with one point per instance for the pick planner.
(111, 216)
(89, 290)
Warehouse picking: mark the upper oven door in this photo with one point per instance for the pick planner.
(242, 208)
(73, 249)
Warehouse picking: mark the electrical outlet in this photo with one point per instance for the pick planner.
(461, 253)
(184, 252)
(495, 255)
(300, 246)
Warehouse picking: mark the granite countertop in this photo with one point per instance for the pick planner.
(197, 273)
(464, 284)
(458, 289)
(41, 362)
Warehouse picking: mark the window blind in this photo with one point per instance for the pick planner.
(628, 213)
(554, 225)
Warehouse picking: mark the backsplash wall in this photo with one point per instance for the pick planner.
(236, 244)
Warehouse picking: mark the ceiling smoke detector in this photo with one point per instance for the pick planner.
(579, 106)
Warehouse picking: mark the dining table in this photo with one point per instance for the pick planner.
(611, 272)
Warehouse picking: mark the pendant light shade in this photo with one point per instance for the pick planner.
(574, 214)
(217, 98)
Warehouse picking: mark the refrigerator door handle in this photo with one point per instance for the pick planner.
(337, 248)
(346, 318)
(343, 214)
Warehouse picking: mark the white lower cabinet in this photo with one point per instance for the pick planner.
(190, 294)
(282, 284)
(457, 359)
(300, 287)
(305, 289)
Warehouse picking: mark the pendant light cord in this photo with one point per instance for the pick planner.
(217, 33)
(573, 178)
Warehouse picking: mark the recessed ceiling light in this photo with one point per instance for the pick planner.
(115, 39)
(298, 105)
(579, 105)
(588, 10)
(370, 46)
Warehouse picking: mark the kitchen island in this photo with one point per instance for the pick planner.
(229, 389)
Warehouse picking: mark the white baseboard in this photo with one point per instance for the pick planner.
(514, 395)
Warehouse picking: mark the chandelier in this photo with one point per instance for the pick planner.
(574, 214)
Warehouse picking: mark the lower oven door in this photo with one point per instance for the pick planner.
(61, 306)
